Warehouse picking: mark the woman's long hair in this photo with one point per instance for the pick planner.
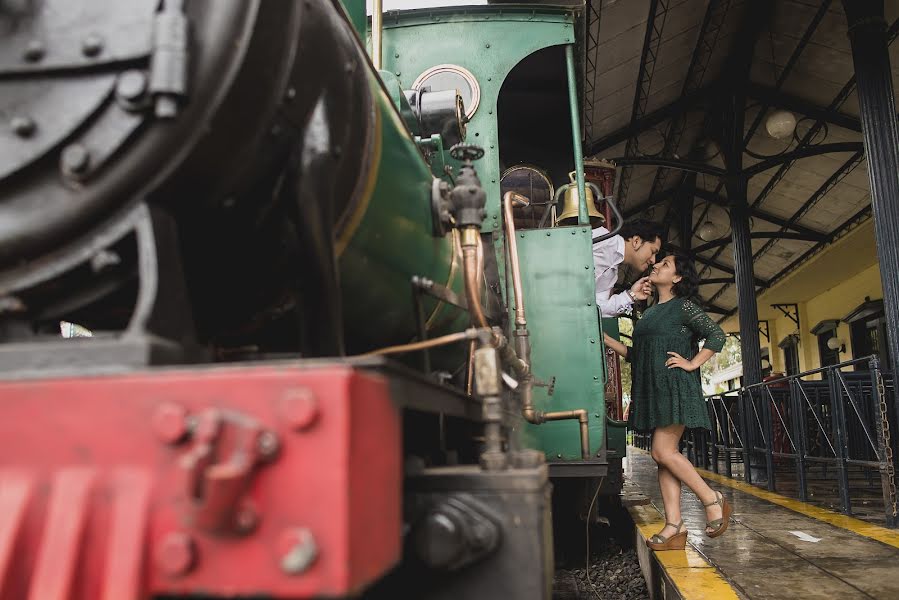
(688, 286)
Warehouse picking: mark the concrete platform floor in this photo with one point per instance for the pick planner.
(778, 547)
(865, 492)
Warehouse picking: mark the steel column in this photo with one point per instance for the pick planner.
(736, 183)
(870, 55)
(743, 275)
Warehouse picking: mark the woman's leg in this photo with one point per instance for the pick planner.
(664, 452)
(670, 487)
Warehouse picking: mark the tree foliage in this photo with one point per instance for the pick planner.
(729, 356)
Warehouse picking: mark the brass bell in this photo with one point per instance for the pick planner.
(569, 212)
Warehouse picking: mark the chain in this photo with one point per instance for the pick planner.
(887, 442)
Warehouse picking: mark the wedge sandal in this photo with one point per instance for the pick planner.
(678, 541)
(719, 526)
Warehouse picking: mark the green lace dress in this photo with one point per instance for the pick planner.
(661, 396)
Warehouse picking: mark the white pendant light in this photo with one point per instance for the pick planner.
(780, 124)
(708, 231)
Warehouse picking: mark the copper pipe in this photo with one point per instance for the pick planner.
(452, 338)
(470, 241)
(539, 417)
(509, 357)
(582, 419)
(377, 11)
(510, 199)
(480, 259)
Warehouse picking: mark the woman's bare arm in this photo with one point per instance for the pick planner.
(675, 360)
(619, 348)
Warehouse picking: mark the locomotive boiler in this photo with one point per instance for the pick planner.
(307, 368)
(258, 147)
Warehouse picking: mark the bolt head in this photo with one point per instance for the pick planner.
(92, 45)
(75, 159)
(300, 409)
(267, 445)
(131, 85)
(298, 550)
(177, 554)
(23, 127)
(34, 51)
(170, 423)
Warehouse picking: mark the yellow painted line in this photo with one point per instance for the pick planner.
(687, 569)
(869, 530)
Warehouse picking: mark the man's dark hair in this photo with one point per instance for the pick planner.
(646, 229)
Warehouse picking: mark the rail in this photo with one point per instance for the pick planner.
(839, 428)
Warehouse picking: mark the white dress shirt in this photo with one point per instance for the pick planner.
(607, 255)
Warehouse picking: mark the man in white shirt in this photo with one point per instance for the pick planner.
(636, 245)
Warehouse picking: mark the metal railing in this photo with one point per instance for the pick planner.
(837, 427)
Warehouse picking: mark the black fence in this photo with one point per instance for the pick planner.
(834, 428)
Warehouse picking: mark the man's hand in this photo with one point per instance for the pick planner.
(676, 361)
(641, 289)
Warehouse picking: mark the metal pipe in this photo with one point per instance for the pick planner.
(376, 32)
(452, 338)
(583, 421)
(480, 255)
(510, 199)
(472, 283)
(582, 217)
(619, 220)
(509, 357)
(537, 417)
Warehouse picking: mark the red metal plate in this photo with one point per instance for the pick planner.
(96, 500)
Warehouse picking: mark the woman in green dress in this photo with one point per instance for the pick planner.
(666, 394)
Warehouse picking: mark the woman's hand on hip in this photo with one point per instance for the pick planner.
(676, 361)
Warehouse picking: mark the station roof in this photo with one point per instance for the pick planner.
(655, 75)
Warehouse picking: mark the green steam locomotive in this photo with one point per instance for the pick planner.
(340, 337)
